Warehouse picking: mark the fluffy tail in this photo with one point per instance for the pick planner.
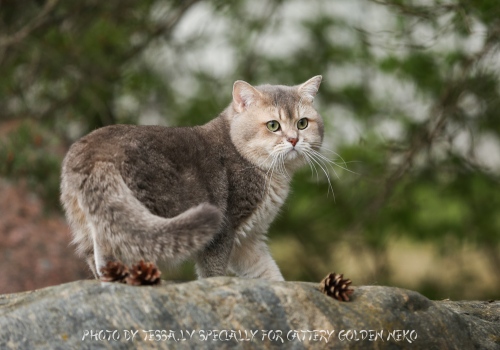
(122, 228)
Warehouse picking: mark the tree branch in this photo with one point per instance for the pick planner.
(40, 19)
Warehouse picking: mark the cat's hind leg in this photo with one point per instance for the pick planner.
(89, 257)
(82, 237)
(101, 253)
(88, 233)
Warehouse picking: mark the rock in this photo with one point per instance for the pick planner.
(224, 313)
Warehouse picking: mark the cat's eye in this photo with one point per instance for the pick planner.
(302, 123)
(273, 125)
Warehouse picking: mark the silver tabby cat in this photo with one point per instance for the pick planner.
(207, 192)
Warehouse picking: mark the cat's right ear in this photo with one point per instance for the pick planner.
(244, 95)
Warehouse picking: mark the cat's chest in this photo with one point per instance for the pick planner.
(258, 222)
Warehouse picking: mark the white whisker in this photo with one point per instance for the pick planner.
(325, 158)
(271, 169)
(283, 167)
(318, 144)
(319, 163)
(322, 159)
(311, 165)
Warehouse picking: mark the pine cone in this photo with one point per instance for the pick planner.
(114, 271)
(335, 286)
(143, 273)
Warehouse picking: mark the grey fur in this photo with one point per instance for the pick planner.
(158, 193)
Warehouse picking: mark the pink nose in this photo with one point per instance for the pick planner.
(292, 140)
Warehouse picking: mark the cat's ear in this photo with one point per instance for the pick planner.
(309, 89)
(244, 95)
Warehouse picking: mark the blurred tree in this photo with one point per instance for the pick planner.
(63, 65)
(410, 93)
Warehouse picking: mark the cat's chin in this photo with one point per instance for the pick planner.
(292, 155)
(294, 160)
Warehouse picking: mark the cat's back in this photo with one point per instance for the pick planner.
(119, 144)
(167, 169)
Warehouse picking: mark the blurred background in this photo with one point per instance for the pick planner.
(410, 97)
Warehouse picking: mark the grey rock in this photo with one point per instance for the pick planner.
(227, 313)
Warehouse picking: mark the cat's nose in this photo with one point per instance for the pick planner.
(292, 140)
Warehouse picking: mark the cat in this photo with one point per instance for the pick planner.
(207, 192)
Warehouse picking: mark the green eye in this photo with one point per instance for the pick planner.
(302, 124)
(273, 125)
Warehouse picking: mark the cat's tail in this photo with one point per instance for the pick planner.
(122, 228)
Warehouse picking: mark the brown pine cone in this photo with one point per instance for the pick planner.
(335, 286)
(114, 271)
(143, 273)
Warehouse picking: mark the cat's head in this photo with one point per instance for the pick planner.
(276, 126)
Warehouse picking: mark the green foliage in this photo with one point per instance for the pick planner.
(76, 66)
(23, 154)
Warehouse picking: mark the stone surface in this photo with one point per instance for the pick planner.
(95, 315)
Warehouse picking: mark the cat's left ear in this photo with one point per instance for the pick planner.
(244, 95)
(309, 89)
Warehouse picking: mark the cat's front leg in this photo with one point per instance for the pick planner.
(251, 259)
